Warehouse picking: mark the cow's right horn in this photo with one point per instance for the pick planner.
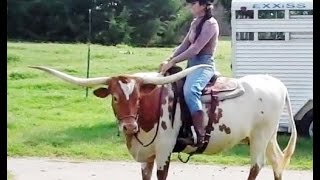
(86, 82)
(174, 77)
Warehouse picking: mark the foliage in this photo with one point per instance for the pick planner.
(142, 22)
(227, 6)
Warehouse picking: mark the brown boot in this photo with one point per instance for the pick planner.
(197, 119)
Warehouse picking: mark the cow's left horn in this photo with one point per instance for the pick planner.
(86, 82)
(174, 77)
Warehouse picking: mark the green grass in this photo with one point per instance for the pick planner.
(9, 176)
(47, 117)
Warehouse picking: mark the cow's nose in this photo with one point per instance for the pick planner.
(131, 128)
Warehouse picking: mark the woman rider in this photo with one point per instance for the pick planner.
(198, 46)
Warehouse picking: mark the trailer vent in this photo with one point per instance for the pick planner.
(301, 35)
(301, 14)
(271, 36)
(271, 14)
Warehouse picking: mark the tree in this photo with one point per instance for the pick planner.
(227, 6)
(141, 22)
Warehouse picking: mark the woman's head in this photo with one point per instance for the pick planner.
(200, 7)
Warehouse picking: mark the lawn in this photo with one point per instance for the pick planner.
(9, 175)
(47, 117)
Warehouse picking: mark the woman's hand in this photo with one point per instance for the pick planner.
(165, 66)
(164, 62)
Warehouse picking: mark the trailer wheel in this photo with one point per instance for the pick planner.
(305, 127)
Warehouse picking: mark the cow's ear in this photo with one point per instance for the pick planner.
(147, 88)
(101, 92)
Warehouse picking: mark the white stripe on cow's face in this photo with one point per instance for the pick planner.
(127, 88)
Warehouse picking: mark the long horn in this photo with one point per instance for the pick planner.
(174, 77)
(86, 82)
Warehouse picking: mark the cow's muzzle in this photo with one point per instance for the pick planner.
(130, 128)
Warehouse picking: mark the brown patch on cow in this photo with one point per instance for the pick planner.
(227, 130)
(149, 111)
(147, 171)
(162, 174)
(163, 125)
(150, 108)
(219, 116)
(124, 79)
(170, 104)
(160, 112)
(246, 141)
(147, 88)
(221, 127)
(212, 111)
(224, 128)
(165, 93)
(254, 171)
(277, 177)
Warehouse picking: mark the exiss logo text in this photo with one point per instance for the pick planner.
(279, 5)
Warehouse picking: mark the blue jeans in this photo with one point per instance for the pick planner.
(196, 81)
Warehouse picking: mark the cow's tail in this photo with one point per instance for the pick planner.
(289, 150)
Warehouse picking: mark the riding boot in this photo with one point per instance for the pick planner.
(197, 119)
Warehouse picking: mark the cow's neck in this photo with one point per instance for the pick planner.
(150, 110)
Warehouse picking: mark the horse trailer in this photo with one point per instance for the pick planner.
(275, 37)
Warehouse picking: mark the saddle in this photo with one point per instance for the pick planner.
(218, 89)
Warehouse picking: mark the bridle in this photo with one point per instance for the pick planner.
(136, 117)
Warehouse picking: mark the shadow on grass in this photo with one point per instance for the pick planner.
(97, 133)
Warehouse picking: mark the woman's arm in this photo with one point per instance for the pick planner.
(209, 29)
(183, 46)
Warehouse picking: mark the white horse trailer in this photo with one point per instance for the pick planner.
(275, 37)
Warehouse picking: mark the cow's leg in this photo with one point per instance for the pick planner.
(258, 145)
(146, 169)
(162, 166)
(275, 155)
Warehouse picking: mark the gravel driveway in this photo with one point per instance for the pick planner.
(57, 169)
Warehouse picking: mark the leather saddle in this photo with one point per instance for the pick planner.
(222, 87)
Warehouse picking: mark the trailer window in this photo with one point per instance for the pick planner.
(301, 35)
(244, 14)
(244, 36)
(271, 14)
(301, 14)
(271, 36)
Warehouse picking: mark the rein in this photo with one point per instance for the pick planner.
(157, 129)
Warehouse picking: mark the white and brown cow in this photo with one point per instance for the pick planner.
(141, 103)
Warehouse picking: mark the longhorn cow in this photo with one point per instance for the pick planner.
(143, 105)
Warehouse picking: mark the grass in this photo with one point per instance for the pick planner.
(10, 176)
(47, 117)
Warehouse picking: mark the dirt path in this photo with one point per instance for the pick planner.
(56, 169)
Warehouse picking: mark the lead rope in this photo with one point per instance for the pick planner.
(188, 158)
(136, 135)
